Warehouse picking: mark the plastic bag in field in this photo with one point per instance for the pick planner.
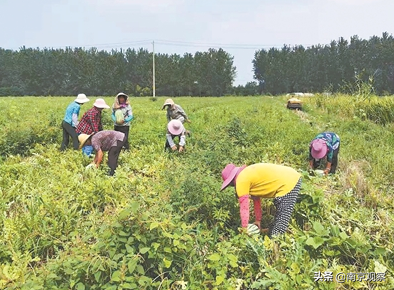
(87, 150)
(319, 172)
(253, 229)
(119, 117)
(91, 166)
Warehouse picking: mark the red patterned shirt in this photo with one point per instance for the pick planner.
(104, 140)
(90, 122)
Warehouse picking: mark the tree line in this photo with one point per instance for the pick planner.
(337, 67)
(70, 71)
(340, 66)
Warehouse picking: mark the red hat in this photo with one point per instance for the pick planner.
(229, 173)
(319, 148)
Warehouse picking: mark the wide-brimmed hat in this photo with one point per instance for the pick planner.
(175, 127)
(100, 103)
(81, 98)
(168, 102)
(83, 138)
(229, 173)
(318, 148)
(122, 94)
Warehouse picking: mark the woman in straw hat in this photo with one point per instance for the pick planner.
(175, 129)
(264, 180)
(175, 112)
(122, 107)
(70, 122)
(107, 140)
(324, 145)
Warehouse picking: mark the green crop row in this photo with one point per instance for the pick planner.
(161, 221)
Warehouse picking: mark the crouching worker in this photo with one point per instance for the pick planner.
(175, 129)
(111, 141)
(324, 145)
(264, 180)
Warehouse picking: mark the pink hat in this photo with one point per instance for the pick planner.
(100, 103)
(175, 127)
(229, 173)
(319, 148)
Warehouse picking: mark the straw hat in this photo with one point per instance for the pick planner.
(83, 138)
(318, 148)
(168, 102)
(100, 103)
(229, 173)
(175, 127)
(81, 99)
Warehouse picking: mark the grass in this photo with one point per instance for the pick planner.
(162, 221)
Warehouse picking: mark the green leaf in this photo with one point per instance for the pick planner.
(80, 286)
(153, 225)
(134, 206)
(167, 263)
(220, 279)
(315, 242)
(124, 214)
(144, 250)
(214, 257)
(116, 276)
(319, 229)
(131, 265)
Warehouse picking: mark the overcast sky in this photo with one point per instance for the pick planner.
(178, 26)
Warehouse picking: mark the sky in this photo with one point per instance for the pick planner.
(240, 27)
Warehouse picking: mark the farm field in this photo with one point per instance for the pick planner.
(162, 223)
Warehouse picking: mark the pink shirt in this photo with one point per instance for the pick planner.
(104, 140)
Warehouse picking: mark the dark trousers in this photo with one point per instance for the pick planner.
(68, 131)
(125, 130)
(334, 163)
(113, 155)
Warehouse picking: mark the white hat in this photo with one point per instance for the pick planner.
(81, 98)
(100, 103)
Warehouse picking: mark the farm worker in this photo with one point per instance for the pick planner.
(175, 112)
(70, 121)
(122, 114)
(325, 144)
(107, 140)
(264, 180)
(91, 122)
(175, 129)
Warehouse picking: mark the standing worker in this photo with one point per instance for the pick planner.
(325, 144)
(91, 122)
(122, 114)
(264, 180)
(70, 122)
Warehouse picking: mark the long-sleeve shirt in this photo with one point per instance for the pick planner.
(127, 113)
(104, 140)
(332, 141)
(90, 122)
(182, 139)
(263, 180)
(176, 112)
(72, 113)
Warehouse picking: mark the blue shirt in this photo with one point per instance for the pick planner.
(332, 141)
(72, 109)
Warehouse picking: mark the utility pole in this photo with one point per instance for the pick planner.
(153, 71)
